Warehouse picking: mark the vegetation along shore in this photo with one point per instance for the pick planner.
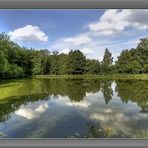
(19, 62)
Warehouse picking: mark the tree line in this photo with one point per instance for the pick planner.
(16, 61)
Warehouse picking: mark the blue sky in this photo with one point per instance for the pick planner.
(91, 31)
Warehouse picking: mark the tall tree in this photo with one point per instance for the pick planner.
(55, 63)
(143, 53)
(76, 62)
(107, 61)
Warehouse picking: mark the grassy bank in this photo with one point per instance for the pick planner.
(113, 76)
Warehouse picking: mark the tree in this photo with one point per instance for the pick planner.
(3, 64)
(142, 49)
(76, 62)
(17, 61)
(107, 61)
(47, 68)
(36, 59)
(63, 60)
(134, 60)
(93, 66)
(14, 71)
(129, 62)
(55, 64)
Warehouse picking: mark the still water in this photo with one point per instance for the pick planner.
(73, 108)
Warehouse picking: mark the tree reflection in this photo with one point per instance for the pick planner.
(107, 90)
(98, 132)
(75, 89)
(94, 131)
(24, 92)
(14, 103)
(134, 91)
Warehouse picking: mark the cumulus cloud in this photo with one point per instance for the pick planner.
(114, 21)
(65, 51)
(28, 33)
(33, 111)
(123, 29)
(96, 48)
(78, 40)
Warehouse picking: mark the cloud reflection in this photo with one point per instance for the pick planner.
(83, 104)
(32, 111)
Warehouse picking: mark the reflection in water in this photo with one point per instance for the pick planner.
(82, 103)
(33, 110)
(11, 104)
(134, 91)
(107, 90)
(63, 107)
(96, 132)
(25, 91)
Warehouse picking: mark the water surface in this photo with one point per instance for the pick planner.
(73, 108)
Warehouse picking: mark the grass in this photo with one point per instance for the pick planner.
(111, 76)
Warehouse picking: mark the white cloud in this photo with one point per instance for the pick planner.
(113, 24)
(114, 21)
(95, 49)
(64, 45)
(65, 51)
(86, 51)
(33, 111)
(78, 40)
(28, 33)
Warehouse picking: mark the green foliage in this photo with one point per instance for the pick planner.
(14, 71)
(3, 64)
(134, 60)
(134, 91)
(93, 67)
(76, 62)
(10, 55)
(107, 90)
(55, 64)
(107, 62)
(145, 66)
(16, 61)
(15, 93)
(47, 67)
(63, 61)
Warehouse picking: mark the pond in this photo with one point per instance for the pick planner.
(73, 108)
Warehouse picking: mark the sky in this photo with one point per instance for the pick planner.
(91, 31)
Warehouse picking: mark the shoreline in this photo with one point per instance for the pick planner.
(111, 76)
(86, 76)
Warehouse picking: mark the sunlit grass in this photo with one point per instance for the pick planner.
(111, 76)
